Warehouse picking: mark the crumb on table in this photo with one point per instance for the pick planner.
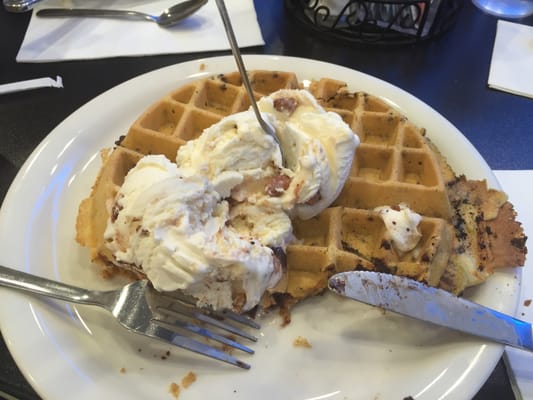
(122, 370)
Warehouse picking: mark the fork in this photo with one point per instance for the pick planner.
(137, 306)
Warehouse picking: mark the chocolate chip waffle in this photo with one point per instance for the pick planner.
(395, 163)
(467, 229)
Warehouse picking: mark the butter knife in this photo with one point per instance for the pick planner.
(414, 299)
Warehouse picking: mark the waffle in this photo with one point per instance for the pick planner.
(395, 163)
(95, 210)
(180, 116)
(467, 230)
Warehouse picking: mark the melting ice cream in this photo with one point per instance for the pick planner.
(208, 223)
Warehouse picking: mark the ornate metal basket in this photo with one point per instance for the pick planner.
(378, 21)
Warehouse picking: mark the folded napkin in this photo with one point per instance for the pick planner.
(511, 66)
(57, 39)
(517, 184)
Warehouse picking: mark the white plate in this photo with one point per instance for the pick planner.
(77, 352)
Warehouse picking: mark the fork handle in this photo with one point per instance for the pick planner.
(35, 284)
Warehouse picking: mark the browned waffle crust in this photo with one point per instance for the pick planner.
(395, 163)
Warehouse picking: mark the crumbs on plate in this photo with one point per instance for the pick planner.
(175, 389)
(188, 379)
(527, 303)
(300, 341)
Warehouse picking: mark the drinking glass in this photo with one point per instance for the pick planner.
(506, 8)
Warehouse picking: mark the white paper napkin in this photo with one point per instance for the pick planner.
(511, 68)
(519, 188)
(57, 39)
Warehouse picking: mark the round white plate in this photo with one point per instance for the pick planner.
(357, 352)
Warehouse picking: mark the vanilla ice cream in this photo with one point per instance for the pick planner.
(318, 149)
(208, 224)
(402, 226)
(175, 228)
(246, 164)
(235, 152)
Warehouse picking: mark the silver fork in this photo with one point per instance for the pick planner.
(143, 310)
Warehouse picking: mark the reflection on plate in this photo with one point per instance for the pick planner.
(79, 352)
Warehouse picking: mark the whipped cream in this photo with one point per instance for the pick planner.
(402, 226)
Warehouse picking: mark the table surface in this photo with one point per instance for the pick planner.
(449, 73)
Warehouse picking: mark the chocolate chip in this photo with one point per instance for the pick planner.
(286, 104)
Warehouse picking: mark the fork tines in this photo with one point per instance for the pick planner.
(158, 332)
(174, 312)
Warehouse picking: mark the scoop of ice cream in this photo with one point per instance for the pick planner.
(269, 226)
(176, 229)
(234, 152)
(245, 164)
(317, 146)
(402, 226)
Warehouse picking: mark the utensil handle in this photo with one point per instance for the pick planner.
(19, 6)
(87, 12)
(240, 63)
(31, 283)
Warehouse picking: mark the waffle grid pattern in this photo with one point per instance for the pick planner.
(394, 164)
(183, 114)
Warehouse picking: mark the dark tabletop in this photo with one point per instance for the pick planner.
(449, 73)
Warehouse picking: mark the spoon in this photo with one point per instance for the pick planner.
(269, 129)
(19, 6)
(169, 17)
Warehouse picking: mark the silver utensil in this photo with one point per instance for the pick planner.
(19, 6)
(268, 128)
(414, 299)
(167, 18)
(143, 310)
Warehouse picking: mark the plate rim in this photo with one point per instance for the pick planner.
(492, 352)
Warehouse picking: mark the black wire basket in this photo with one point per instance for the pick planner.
(378, 22)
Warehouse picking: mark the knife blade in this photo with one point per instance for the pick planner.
(417, 300)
